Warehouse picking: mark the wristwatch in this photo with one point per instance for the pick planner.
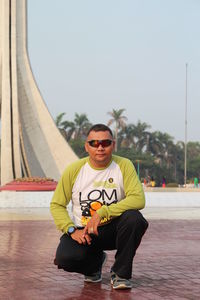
(71, 230)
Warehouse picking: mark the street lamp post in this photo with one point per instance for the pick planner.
(185, 160)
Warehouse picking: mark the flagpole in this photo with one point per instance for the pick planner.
(185, 160)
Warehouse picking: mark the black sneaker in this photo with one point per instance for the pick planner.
(96, 277)
(119, 283)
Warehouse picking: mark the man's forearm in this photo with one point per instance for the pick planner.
(61, 217)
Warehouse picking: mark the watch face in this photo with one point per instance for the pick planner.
(71, 230)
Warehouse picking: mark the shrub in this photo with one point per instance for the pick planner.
(172, 184)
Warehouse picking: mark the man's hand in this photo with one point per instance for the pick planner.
(81, 237)
(92, 225)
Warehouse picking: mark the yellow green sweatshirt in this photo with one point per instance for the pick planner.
(108, 191)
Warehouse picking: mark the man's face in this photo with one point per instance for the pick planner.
(99, 156)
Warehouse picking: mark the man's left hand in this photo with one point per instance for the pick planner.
(92, 225)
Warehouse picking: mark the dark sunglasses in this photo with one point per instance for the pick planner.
(97, 143)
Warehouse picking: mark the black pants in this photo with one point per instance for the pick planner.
(123, 233)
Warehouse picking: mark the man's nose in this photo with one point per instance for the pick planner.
(100, 147)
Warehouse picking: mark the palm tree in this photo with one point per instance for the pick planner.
(154, 146)
(119, 121)
(126, 136)
(69, 128)
(141, 135)
(77, 129)
(166, 142)
(82, 125)
(193, 149)
(58, 120)
(61, 124)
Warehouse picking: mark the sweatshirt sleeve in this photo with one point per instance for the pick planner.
(59, 202)
(134, 194)
(63, 195)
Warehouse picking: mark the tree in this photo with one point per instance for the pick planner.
(166, 144)
(58, 120)
(193, 161)
(82, 125)
(73, 130)
(126, 136)
(154, 145)
(158, 154)
(61, 124)
(69, 128)
(141, 135)
(78, 146)
(119, 121)
(193, 149)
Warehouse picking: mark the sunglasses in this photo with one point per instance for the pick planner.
(97, 143)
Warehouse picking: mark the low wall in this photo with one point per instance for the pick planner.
(155, 197)
(11, 199)
(173, 199)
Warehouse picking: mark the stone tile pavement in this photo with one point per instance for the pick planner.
(166, 266)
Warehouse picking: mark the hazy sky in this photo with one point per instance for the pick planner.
(90, 56)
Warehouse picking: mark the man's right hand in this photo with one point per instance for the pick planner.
(82, 238)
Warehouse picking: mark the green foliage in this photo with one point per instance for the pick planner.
(172, 185)
(119, 120)
(194, 167)
(59, 118)
(154, 154)
(78, 146)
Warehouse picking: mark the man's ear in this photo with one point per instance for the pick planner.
(113, 144)
(86, 146)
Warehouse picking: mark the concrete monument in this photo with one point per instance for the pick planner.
(31, 144)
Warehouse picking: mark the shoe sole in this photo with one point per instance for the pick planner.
(120, 286)
(93, 281)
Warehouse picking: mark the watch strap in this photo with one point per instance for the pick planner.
(71, 230)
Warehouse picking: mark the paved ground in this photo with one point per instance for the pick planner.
(166, 266)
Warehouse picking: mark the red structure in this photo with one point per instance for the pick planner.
(30, 184)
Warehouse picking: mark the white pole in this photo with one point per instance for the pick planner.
(185, 163)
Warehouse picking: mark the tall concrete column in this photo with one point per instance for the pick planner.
(31, 144)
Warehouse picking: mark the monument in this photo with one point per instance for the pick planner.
(31, 144)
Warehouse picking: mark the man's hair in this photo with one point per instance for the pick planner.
(100, 127)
